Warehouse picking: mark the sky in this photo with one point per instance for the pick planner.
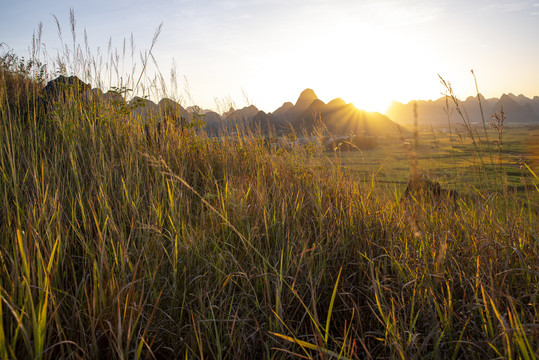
(265, 52)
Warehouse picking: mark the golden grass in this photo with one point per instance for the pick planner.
(197, 247)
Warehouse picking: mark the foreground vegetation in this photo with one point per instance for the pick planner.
(117, 246)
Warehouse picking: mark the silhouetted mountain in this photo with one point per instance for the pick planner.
(261, 116)
(264, 123)
(337, 117)
(62, 88)
(522, 100)
(144, 110)
(195, 109)
(243, 115)
(429, 112)
(516, 113)
(214, 123)
(211, 117)
(172, 108)
(108, 98)
(535, 104)
(348, 119)
(248, 118)
(280, 113)
(472, 102)
(230, 120)
(336, 103)
(518, 109)
(229, 112)
(97, 93)
(307, 120)
(305, 99)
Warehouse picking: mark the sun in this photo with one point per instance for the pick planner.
(359, 69)
(371, 67)
(372, 104)
(366, 91)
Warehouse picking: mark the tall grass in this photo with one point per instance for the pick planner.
(198, 247)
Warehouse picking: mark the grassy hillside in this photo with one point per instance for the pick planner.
(115, 244)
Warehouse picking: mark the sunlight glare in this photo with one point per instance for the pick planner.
(376, 66)
(368, 66)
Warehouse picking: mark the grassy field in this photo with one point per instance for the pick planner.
(453, 160)
(113, 246)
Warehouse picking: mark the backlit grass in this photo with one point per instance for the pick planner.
(194, 247)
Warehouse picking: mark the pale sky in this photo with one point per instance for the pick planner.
(265, 52)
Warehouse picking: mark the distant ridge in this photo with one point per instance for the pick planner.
(305, 99)
(307, 114)
(280, 113)
(519, 110)
(337, 117)
(516, 109)
(245, 114)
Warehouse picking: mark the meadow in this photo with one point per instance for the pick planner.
(452, 159)
(189, 246)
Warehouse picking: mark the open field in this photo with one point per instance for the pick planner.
(454, 161)
(117, 245)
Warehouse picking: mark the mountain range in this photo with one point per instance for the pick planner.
(337, 117)
(303, 117)
(309, 113)
(519, 110)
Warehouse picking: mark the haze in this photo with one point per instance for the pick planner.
(265, 52)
